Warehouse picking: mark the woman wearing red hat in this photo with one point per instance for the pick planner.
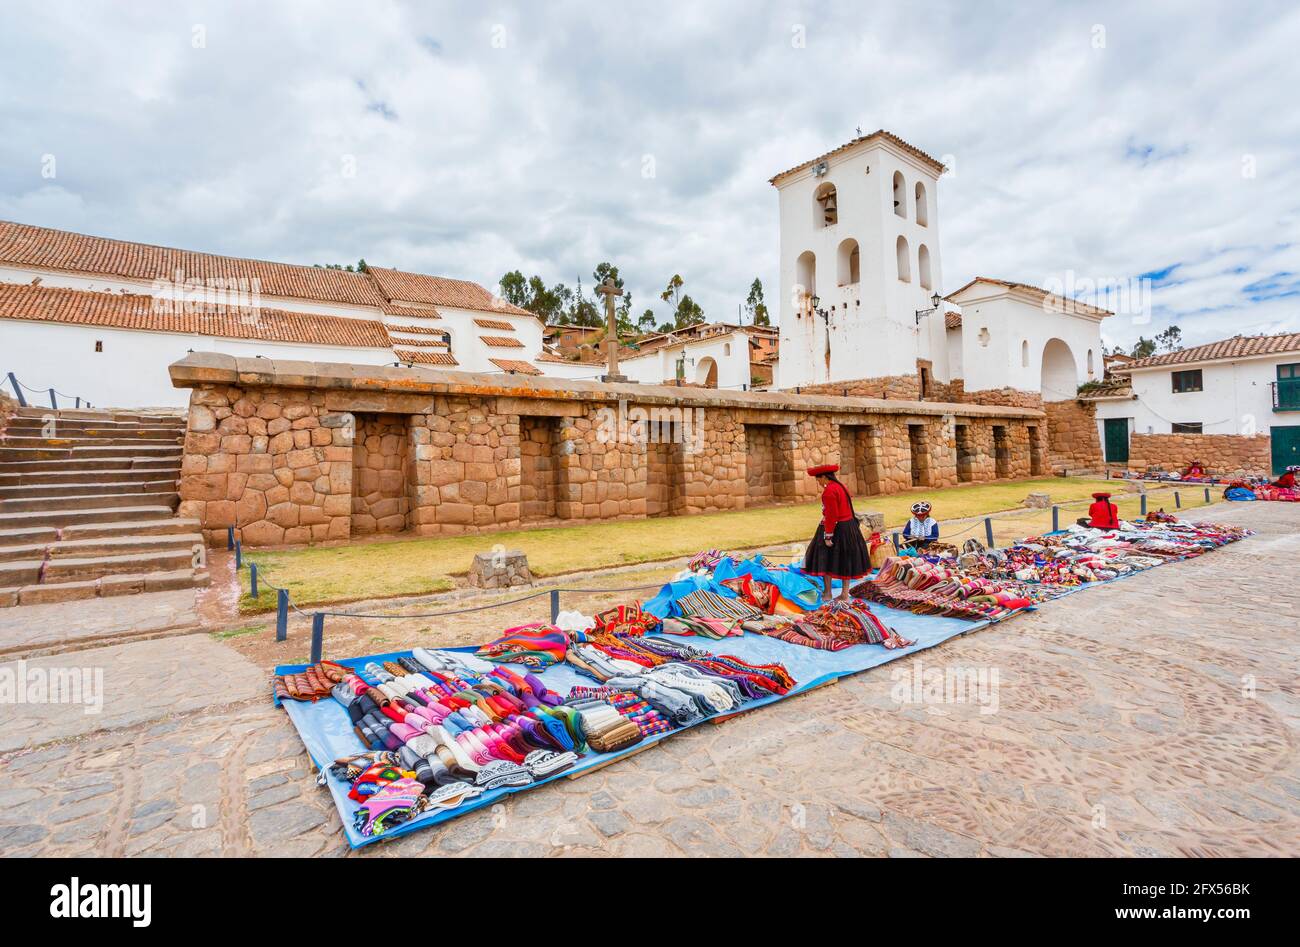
(1102, 514)
(837, 550)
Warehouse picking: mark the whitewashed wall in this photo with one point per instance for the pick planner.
(1236, 399)
(131, 372)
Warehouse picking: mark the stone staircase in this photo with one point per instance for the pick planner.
(87, 507)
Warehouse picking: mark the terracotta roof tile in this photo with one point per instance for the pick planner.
(501, 342)
(414, 330)
(494, 324)
(410, 310)
(952, 320)
(1061, 302)
(420, 343)
(915, 152)
(44, 248)
(402, 287)
(130, 311)
(424, 358)
(1239, 346)
(510, 365)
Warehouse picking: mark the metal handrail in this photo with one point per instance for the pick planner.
(54, 394)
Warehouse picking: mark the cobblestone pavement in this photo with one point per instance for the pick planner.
(1154, 716)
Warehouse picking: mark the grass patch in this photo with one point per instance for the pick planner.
(422, 566)
(236, 632)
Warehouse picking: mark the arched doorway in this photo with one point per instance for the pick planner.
(706, 373)
(1060, 376)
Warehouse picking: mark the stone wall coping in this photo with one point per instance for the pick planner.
(214, 368)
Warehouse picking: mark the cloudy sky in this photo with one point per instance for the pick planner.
(1107, 144)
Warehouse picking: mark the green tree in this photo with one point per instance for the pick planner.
(647, 321)
(755, 306)
(1143, 347)
(359, 267)
(686, 312)
(1171, 340)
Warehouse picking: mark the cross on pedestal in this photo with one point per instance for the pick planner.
(609, 291)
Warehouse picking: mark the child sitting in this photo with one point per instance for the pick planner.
(920, 530)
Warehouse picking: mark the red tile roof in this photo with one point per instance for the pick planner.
(510, 365)
(952, 320)
(130, 311)
(402, 287)
(494, 324)
(1060, 302)
(410, 310)
(501, 342)
(424, 358)
(44, 248)
(419, 343)
(1239, 346)
(880, 133)
(414, 330)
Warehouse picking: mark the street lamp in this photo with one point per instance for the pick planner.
(935, 301)
(816, 304)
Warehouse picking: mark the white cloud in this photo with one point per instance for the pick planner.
(488, 140)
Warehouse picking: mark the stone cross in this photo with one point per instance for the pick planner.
(609, 291)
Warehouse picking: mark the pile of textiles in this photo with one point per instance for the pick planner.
(705, 604)
(1269, 492)
(450, 735)
(702, 626)
(833, 627)
(994, 583)
(536, 646)
(612, 720)
(941, 588)
(709, 559)
(625, 619)
(310, 685)
(681, 683)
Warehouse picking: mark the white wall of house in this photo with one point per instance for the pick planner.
(730, 353)
(1236, 398)
(131, 371)
(872, 329)
(1004, 343)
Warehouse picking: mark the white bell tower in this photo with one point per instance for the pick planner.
(859, 257)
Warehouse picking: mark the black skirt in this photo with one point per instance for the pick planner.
(847, 556)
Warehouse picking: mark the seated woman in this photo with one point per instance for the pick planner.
(1287, 480)
(920, 530)
(1102, 514)
(1195, 471)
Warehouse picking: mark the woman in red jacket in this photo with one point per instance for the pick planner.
(837, 550)
(1102, 514)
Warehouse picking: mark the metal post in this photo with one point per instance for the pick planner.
(555, 605)
(239, 555)
(230, 537)
(54, 403)
(252, 579)
(18, 391)
(1144, 503)
(1056, 518)
(1178, 501)
(317, 636)
(896, 546)
(988, 530)
(1207, 494)
(78, 401)
(282, 615)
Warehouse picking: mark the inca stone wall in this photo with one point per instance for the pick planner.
(1224, 455)
(310, 452)
(1073, 444)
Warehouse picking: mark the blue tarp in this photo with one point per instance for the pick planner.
(795, 587)
(327, 732)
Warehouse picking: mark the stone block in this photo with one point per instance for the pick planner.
(495, 570)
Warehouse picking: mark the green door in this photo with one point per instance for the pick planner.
(1286, 447)
(1117, 440)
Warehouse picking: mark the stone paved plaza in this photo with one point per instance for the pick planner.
(1154, 716)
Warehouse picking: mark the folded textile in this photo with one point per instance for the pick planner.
(535, 646)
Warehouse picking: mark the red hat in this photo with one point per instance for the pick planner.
(1101, 496)
(823, 469)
